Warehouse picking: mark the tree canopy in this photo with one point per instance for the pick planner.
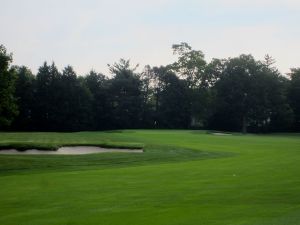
(234, 94)
(8, 106)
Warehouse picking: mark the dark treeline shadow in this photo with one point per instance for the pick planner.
(234, 94)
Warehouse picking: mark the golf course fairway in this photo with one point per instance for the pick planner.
(183, 177)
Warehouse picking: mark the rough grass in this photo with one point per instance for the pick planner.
(183, 178)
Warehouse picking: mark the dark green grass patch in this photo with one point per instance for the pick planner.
(151, 156)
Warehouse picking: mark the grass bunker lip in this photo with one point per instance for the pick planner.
(69, 150)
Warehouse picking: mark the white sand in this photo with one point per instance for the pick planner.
(74, 150)
(221, 134)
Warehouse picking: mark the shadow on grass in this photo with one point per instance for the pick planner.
(12, 164)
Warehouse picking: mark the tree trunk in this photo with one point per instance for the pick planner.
(244, 129)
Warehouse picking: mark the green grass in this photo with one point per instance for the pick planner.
(182, 178)
(53, 145)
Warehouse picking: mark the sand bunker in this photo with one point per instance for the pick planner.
(221, 134)
(74, 150)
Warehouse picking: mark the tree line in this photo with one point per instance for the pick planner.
(234, 94)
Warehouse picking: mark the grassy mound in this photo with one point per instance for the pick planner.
(23, 146)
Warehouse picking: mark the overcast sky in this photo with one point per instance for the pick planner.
(89, 34)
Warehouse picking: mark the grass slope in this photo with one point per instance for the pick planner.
(249, 180)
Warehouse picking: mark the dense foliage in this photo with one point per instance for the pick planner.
(236, 94)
